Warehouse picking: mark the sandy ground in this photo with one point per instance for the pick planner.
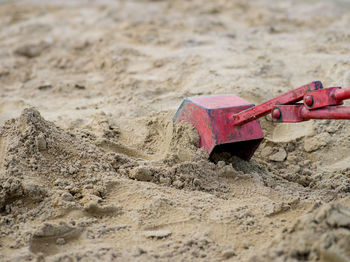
(92, 168)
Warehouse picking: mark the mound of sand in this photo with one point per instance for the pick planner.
(41, 160)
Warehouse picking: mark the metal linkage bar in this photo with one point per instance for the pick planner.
(342, 94)
(265, 108)
(299, 113)
(326, 97)
(322, 98)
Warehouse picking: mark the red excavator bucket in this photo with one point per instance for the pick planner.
(212, 117)
(228, 123)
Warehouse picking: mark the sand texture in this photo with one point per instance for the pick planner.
(92, 167)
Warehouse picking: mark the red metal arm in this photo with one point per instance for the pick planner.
(318, 104)
(265, 108)
(299, 113)
(326, 97)
(342, 94)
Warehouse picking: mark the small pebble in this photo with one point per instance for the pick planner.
(157, 233)
(279, 156)
(41, 142)
(221, 164)
(228, 253)
(60, 241)
(141, 174)
(67, 196)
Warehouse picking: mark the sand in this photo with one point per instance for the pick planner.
(92, 167)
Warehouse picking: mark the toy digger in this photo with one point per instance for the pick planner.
(228, 123)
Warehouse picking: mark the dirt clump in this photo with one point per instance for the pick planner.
(321, 235)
